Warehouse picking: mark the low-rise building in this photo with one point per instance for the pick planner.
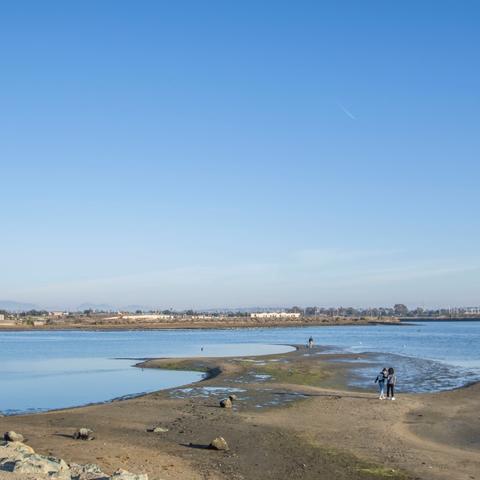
(472, 311)
(275, 315)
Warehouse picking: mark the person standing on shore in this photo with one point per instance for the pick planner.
(381, 377)
(391, 382)
(310, 342)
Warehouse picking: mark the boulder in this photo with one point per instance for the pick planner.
(33, 464)
(219, 443)
(12, 436)
(157, 430)
(83, 434)
(12, 448)
(11, 452)
(226, 403)
(160, 430)
(90, 471)
(124, 475)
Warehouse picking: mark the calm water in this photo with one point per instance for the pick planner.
(45, 370)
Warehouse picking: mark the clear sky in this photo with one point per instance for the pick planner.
(253, 153)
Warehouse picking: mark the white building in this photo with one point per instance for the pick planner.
(275, 315)
(472, 311)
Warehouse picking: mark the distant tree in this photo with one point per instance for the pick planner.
(400, 309)
(295, 310)
(138, 312)
(89, 311)
(34, 313)
(311, 311)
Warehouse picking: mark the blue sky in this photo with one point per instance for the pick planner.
(224, 154)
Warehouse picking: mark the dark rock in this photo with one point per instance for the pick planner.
(226, 403)
(12, 436)
(83, 434)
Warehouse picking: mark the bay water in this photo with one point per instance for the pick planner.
(43, 370)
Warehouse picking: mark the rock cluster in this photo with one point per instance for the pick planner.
(16, 457)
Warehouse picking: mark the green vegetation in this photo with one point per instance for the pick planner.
(299, 374)
(182, 365)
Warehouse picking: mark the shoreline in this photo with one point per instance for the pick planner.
(290, 412)
(217, 324)
(213, 370)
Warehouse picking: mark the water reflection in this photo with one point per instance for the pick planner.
(50, 380)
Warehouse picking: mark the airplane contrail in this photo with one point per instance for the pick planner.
(347, 112)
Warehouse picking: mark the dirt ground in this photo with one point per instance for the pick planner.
(294, 418)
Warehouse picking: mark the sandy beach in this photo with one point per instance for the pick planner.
(294, 418)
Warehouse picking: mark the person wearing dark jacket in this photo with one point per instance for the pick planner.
(391, 382)
(381, 377)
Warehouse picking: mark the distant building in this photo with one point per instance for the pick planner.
(6, 322)
(275, 315)
(57, 314)
(145, 317)
(472, 311)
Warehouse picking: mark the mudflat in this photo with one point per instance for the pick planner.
(293, 417)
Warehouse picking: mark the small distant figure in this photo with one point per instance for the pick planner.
(381, 379)
(391, 382)
(201, 349)
(310, 342)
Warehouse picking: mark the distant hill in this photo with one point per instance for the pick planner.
(105, 307)
(13, 306)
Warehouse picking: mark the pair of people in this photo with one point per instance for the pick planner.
(386, 377)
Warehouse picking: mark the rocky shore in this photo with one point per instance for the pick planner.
(268, 418)
(22, 461)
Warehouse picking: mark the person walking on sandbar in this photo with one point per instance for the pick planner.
(381, 378)
(391, 382)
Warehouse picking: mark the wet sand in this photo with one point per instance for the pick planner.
(294, 418)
